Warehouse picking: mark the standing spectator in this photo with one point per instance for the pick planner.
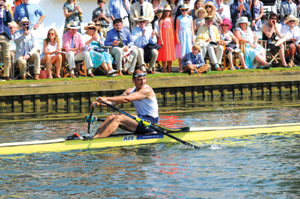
(198, 4)
(120, 9)
(288, 7)
(141, 8)
(156, 4)
(258, 12)
(143, 36)
(238, 9)
(32, 11)
(102, 15)
(5, 36)
(72, 12)
(51, 53)
(211, 11)
(178, 12)
(122, 44)
(99, 56)
(200, 20)
(184, 34)
(73, 43)
(271, 33)
(208, 37)
(166, 39)
(26, 50)
(14, 27)
(223, 9)
(174, 6)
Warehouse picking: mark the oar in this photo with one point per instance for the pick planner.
(90, 119)
(156, 127)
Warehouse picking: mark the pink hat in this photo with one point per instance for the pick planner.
(227, 22)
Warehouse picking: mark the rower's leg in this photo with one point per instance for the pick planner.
(111, 124)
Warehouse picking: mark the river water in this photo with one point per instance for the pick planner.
(262, 166)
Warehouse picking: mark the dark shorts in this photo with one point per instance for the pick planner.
(141, 129)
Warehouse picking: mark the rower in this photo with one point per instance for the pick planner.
(144, 100)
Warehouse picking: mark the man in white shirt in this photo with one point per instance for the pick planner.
(139, 9)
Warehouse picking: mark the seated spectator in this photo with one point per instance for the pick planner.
(271, 33)
(99, 56)
(102, 15)
(288, 7)
(30, 10)
(144, 37)
(141, 8)
(208, 37)
(122, 44)
(14, 27)
(26, 50)
(72, 12)
(5, 36)
(193, 62)
(253, 51)
(231, 44)
(239, 9)
(51, 53)
(73, 44)
(211, 11)
(200, 20)
(291, 33)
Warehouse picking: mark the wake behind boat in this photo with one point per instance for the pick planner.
(187, 134)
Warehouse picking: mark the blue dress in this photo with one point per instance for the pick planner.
(185, 35)
(250, 53)
(258, 24)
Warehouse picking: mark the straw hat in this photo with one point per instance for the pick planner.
(142, 18)
(24, 20)
(184, 7)
(226, 22)
(73, 25)
(209, 3)
(208, 17)
(91, 24)
(167, 8)
(200, 9)
(242, 20)
(292, 18)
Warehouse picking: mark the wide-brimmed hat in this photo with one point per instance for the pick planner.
(167, 8)
(292, 18)
(242, 20)
(24, 20)
(142, 18)
(184, 7)
(73, 25)
(200, 9)
(91, 24)
(208, 17)
(209, 3)
(226, 22)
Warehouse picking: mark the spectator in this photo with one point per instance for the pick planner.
(72, 12)
(5, 36)
(193, 62)
(99, 56)
(102, 15)
(156, 4)
(208, 37)
(198, 4)
(14, 27)
(51, 53)
(141, 8)
(238, 9)
(231, 44)
(253, 51)
(223, 9)
(26, 50)
(32, 11)
(122, 44)
(271, 33)
(184, 34)
(287, 7)
(144, 37)
(178, 12)
(200, 20)
(73, 44)
(211, 11)
(166, 39)
(120, 9)
(174, 6)
(291, 34)
(258, 12)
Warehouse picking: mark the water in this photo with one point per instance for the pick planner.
(262, 166)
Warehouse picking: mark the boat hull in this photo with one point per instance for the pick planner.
(195, 134)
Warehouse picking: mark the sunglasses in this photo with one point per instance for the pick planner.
(184, 10)
(225, 25)
(98, 24)
(142, 21)
(92, 28)
(25, 24)
(51, 33)
(292, 21)
(140, 75)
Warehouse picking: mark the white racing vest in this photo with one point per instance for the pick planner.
(145, 107)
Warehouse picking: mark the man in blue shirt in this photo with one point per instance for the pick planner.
(32, 11)
(122, 45)
(193, 62)
(142, 36)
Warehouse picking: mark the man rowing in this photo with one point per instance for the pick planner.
(144, 100)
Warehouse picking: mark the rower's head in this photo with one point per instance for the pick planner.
(139, 78)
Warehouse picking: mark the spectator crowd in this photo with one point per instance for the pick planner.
(125, 34)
